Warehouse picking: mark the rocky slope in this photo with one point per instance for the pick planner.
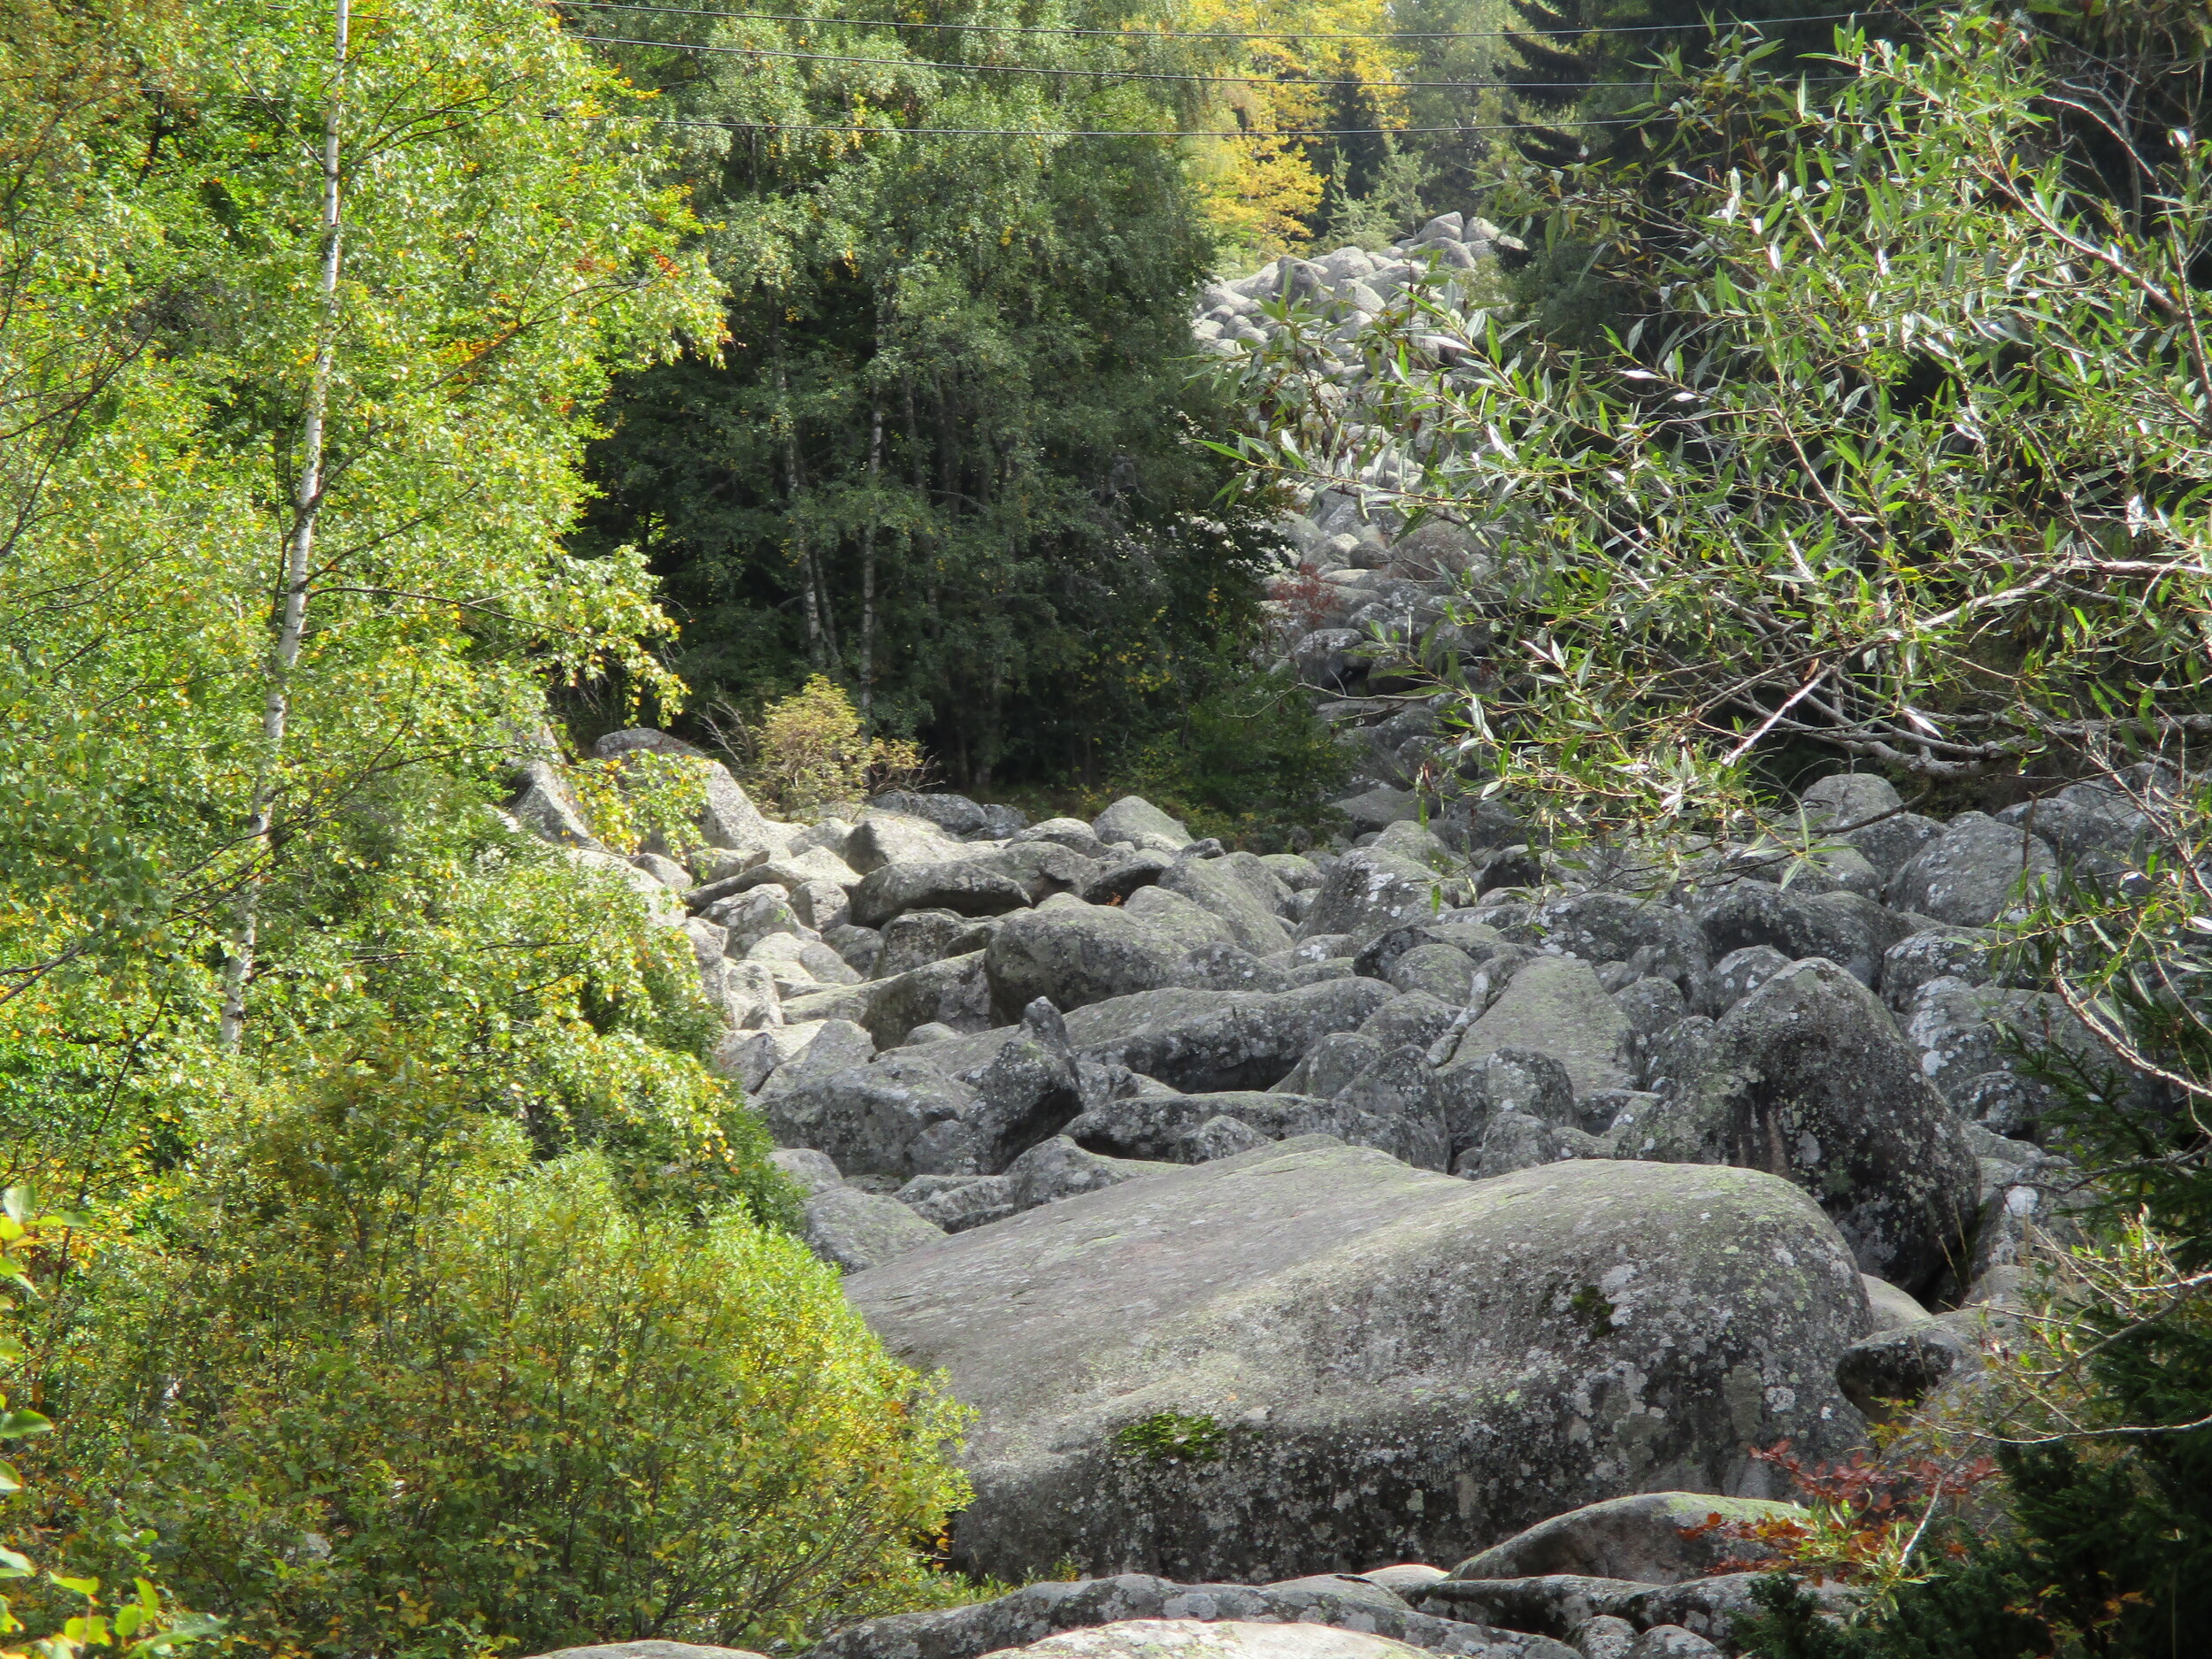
(1285, 1215)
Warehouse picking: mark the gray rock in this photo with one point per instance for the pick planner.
(1605, 1637)
(1352, 1586)
(914, 939)
(1602, 926)
(1076, 956)
(1370, 891)
(1191, 925)
(1736, 976)
(1239, 891)
(1514, 1140)
(1463, 1357)
(1121, 873)
(953, 991)
(1328, 1067)
(1556, 1006)
(728, 818)
(1977, 872)
(1893, 842)
(1399, 1088)
(1414, 1017)
(1295, 870)
(1565, 1603)
(545, 805)
(1445, 971)
(1401, 1576)
(1037, 1612)
(1228, 968)
(1378, 808)
(1808, 1078)
(1845, 801)
(1845, 928)
(1652, 1007)
(1189, 1128)
(845, 1226)
(1204, 1040)
(964, 887)
(649, 1649)
(955, 814)
(1673, 1641)
(2094, 831)
(881, 839)
(1973, 1038)
(958, 1203)
(1891, 1370)
(1070, 832)
(1965, 954)
(1650, 1537)
(1893, 1309)
(1137, 821)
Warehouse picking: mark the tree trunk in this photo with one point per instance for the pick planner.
(291, 616)
(868, 563)
(794, 479)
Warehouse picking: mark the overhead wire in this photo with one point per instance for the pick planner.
(1203, 34)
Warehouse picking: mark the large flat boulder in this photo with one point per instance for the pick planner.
(1102, 1608)
(1311, 1358)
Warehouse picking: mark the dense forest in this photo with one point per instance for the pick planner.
(397, 396)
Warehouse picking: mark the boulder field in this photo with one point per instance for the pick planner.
(1294, 1221)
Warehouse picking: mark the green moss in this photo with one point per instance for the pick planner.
(1593, 1308)
(1167, 1437)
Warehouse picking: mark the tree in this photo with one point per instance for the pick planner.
(1896, 452)
(945, 465)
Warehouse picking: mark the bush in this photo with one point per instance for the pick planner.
(1250, 762)
(808, 751)
(405, 1391)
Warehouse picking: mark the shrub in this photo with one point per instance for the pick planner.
(1249, 762)
(407, 1393)
(809, 750)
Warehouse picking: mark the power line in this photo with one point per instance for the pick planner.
(1190, 34)
(1121, 74)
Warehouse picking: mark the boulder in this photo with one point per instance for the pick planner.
(1204, 1041)
(882, 838)
(1556, 1006)
(1188, 923)
(955, 814)
(1098, 1606)
(1889, 844)
(952, 991)
(1189, 1128)
(1137, 821)
(1974, 1043)
(1371, 891)
(845, 1226)
(651, 1649)
(1602, 926)
(1847, 800)
(1377, 1360)
(1964, 954)
(1736, 976)
(1115, 878)
(1977, 872)
(1443, 970)
(1891, 1307)
(966, 887)
(913, 938)
(1567, 1604)
(1808, 1078)
(1893, 1369)
(1846, 928)
(545, 805)
(1239, 891)
(1076, 954)
(1651, 1538)
(2094, 831)
(728, 817)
